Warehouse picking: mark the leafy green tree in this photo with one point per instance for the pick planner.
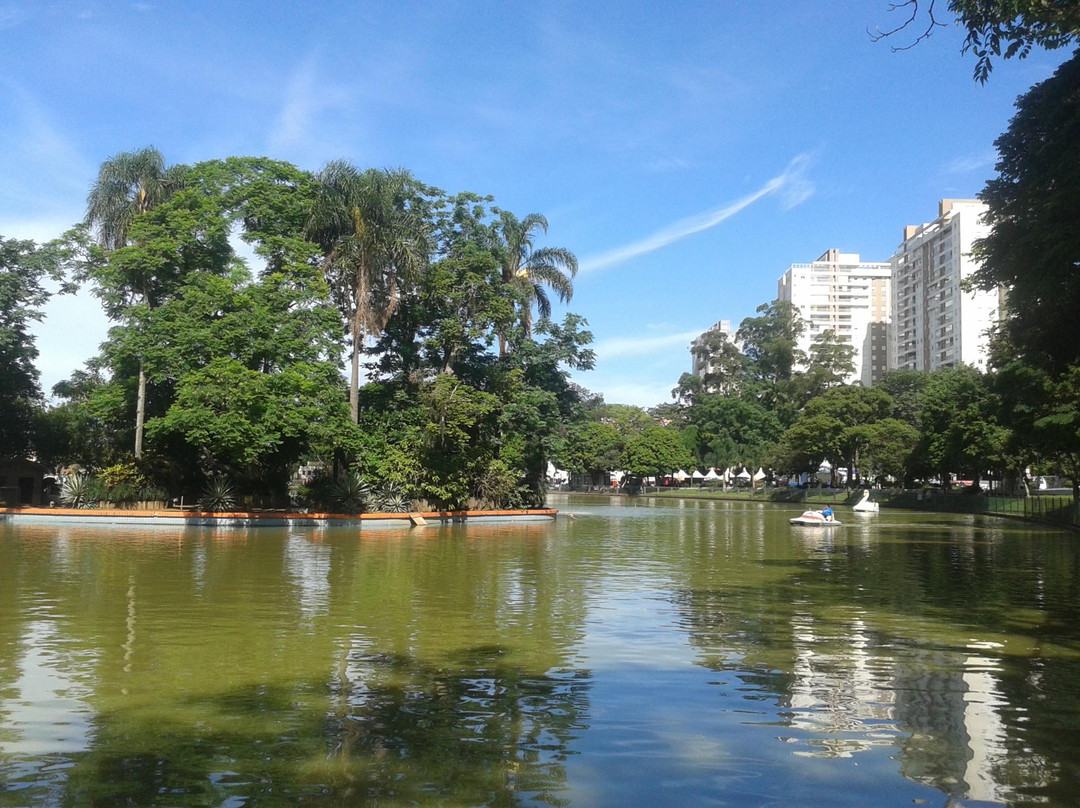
(831, 359)
(187, 234)
(459, 433)
(888, 445)
(853, 408)
(1032, 247)
(249, 423)
(389, 444)
(689, 389)
(129, 185)
(1009, 28)
(528, 271)
(959, 433)
(771, 341)
(733, 430)
(592, 448)
(629, 420)
(461, 298)
(273, 341)
(1044, 419)
(24, 270)
(811, 439)
(835, 426)
(771, 345)
(1022, 392)
(530, 427)
(724, 365)
(83, 428)
(539, 398)
(656, 451)
(1058, 428)
(374, 242)
(906, 389)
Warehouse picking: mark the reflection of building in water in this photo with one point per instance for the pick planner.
(942, 708)
(952, 704)
(844, 693)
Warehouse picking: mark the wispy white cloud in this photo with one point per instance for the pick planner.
(972, 162)
(792, 186)
(306, 97)
(621, 347)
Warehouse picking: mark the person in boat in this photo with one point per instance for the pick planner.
(827, 512)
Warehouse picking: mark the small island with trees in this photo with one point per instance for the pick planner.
(218, 383)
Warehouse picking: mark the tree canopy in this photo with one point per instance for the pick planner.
(25, 271)
(1033, 245)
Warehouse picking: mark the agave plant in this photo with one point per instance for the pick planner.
(218, 495)
(395, 502)
(77, 491)
(392, 499)
(352, 494)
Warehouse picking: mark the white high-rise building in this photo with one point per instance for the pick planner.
(850, 297)
(935, 323)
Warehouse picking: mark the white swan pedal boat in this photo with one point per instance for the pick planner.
(814, 518)
(865, 505)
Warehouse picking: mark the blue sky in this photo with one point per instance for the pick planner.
(686, 152)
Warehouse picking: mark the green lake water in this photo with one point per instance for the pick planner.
(643, 653)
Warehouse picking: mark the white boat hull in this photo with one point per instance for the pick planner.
(814, 519)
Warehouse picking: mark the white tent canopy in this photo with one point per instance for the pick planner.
(712, 476)
(680, 475)
(759, 474)
(557, 475)
(743, 475)
(697, 475)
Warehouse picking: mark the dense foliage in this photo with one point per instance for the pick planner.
(24, 273)
(232, 369)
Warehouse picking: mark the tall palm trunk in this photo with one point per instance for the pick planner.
(140, 411)
(140, 403)
(354, 379)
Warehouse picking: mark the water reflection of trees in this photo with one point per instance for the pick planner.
(955, 644)
(224, 670)
(477, 731)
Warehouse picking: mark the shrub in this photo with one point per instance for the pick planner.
(352, 494)
(77, 490)
(218, 494)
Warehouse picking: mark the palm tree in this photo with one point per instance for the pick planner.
(374, 243)
(128, 185)
(529, 271)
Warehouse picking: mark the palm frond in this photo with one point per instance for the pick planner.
(558, 257)
(128, 184)
(540, 298)
(552, 277)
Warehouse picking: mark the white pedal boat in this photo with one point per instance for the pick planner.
(814, 518)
